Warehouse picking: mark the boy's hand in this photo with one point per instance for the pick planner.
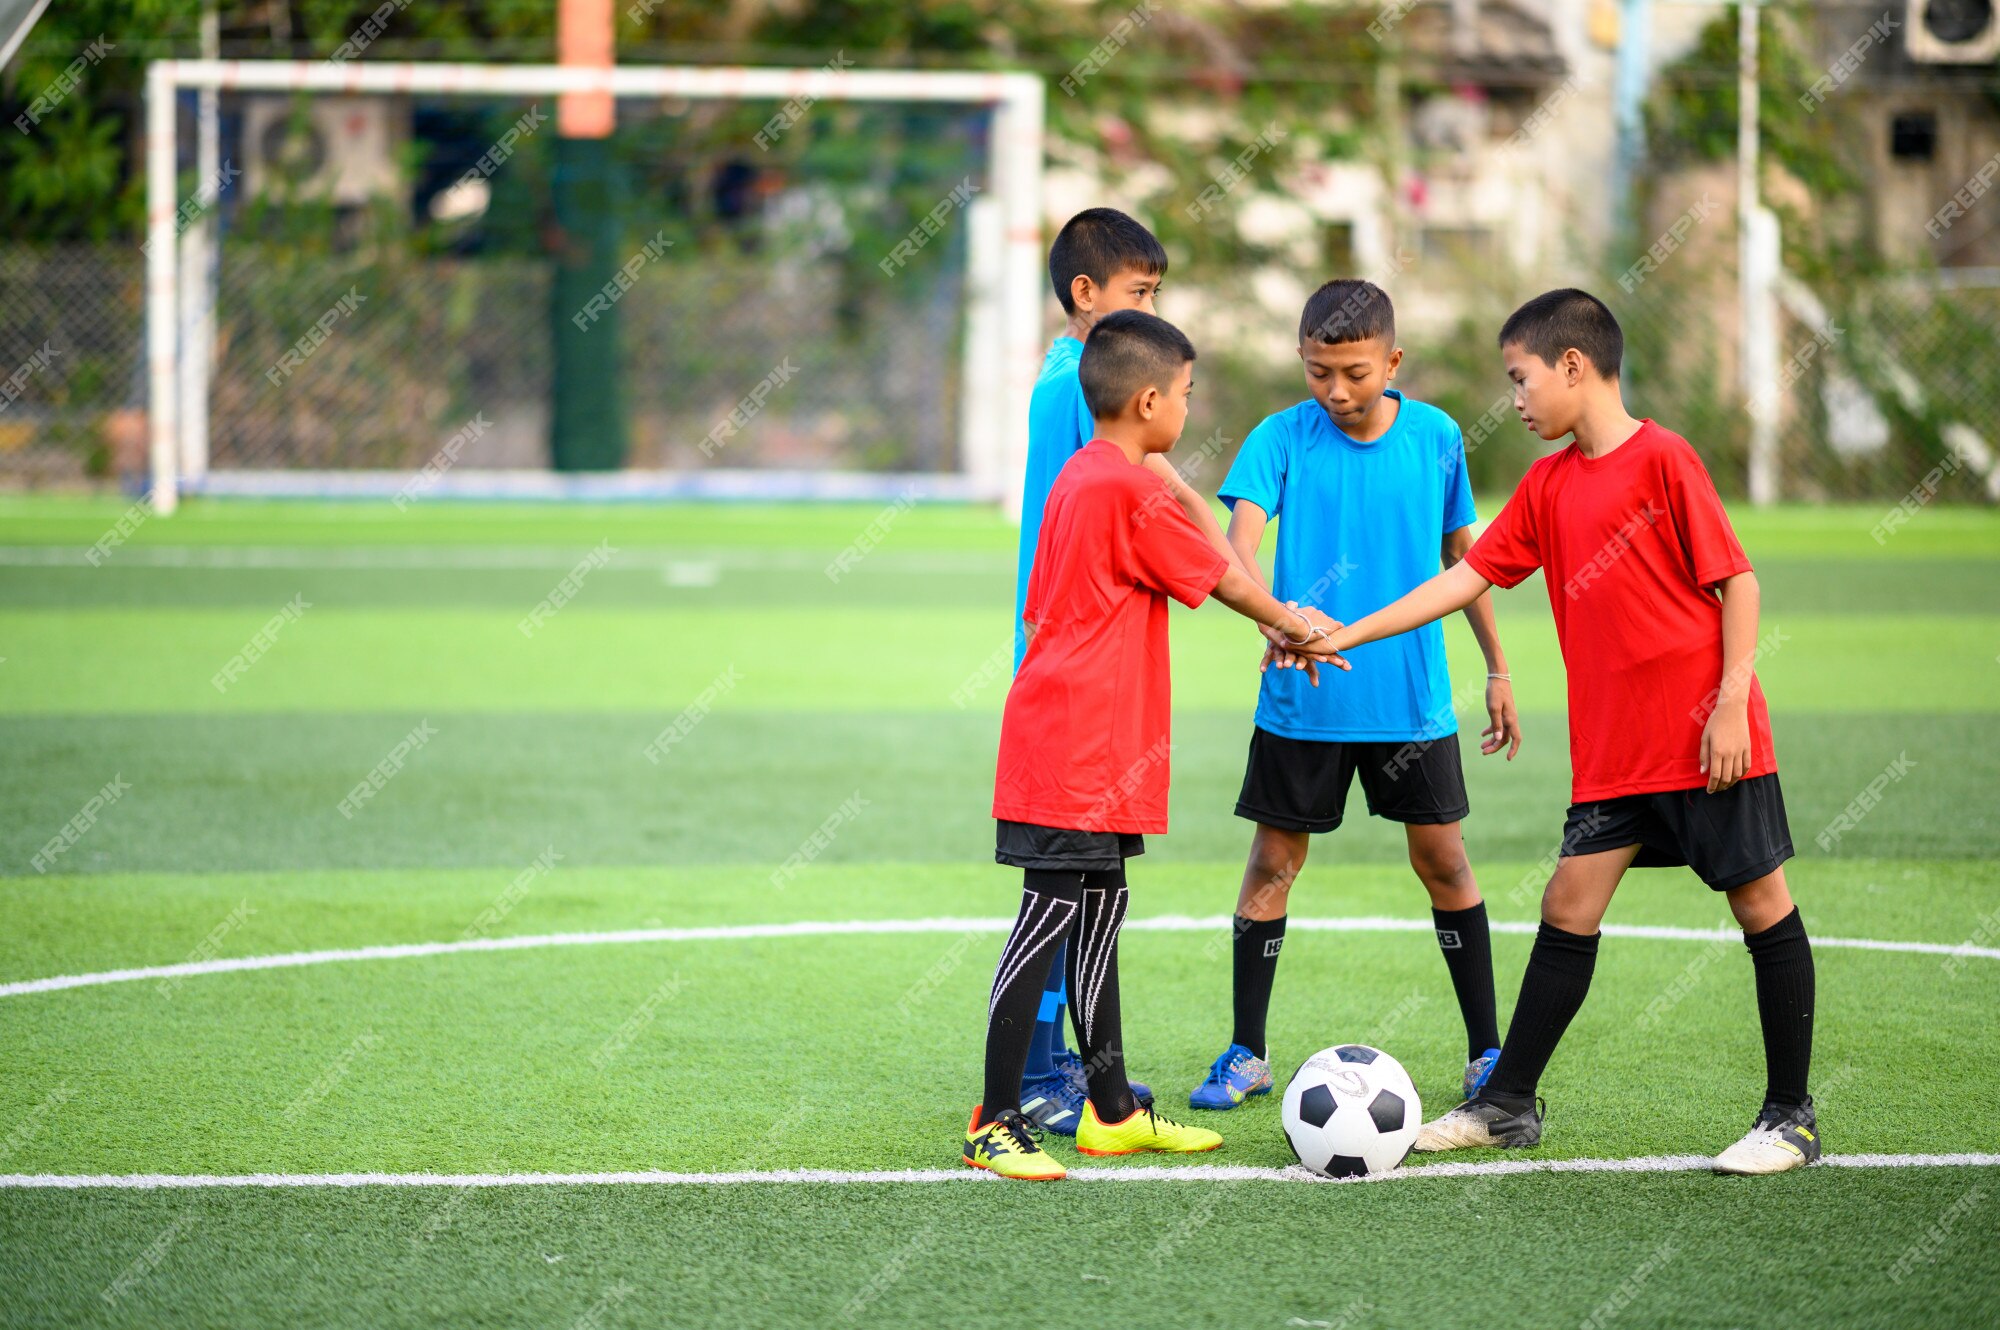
(1315, 618)
(1319, 639)
(1285, 660)
(1277, 653)
(1725, 746)
(1288, 653)
(1505, 729)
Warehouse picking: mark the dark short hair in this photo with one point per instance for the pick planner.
(1347, 310)
(1555, 321)
(1099, 243)
(1126, 352)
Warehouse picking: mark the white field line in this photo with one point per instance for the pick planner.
(1192, 1173)
(483, 558)
(1169, 923)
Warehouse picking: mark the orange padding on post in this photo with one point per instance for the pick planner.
(584, 36)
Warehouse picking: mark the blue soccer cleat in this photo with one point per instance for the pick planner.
(1232, 1078)
(1478, 1070)
(1052, 1103)
(1070, 1065)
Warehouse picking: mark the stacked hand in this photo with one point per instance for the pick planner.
(1289, 651)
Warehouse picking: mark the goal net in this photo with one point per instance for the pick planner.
(393, 280)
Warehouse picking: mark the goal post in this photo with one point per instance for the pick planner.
(1001, 324)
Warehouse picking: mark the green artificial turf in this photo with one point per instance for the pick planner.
(882, 687)
(262, 791)
(201, 1075)
(1665, 1252)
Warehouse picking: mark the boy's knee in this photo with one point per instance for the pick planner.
(1446, 874)
(1570, 916)
(1760, 904)
(1571, 911)
(1442, 867)
(1275, 862)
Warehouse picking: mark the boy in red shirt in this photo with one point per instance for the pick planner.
(1670, 742)
(1084, 742)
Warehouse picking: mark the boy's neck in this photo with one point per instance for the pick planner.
(1080, 324)
(1126, 437)
(1605, 425)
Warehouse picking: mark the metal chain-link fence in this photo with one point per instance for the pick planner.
(750, 360)
(72, 388)
(330, 362)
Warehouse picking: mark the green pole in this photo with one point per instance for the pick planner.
(587, 410)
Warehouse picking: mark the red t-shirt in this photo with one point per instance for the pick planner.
(1629, 543)
(1085, 737)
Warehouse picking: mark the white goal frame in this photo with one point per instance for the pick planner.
(1003, 306)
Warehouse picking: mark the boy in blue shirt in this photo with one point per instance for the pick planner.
(1102, 261)
(1373, 492)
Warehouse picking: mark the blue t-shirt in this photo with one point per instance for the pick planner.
(1059, 424)
(1361, 526)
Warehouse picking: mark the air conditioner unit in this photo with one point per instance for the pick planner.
(341, 149)
(1951, 32)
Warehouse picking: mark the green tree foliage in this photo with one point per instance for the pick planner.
(1949, 340)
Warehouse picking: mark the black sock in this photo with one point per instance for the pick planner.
(1049, 903)
(1784, 963)
(1558, 976)
(1256, 965)
(1093, 993)
(1468, 954)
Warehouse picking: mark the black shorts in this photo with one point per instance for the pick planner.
(1728, 838)
(1026, 845)
(1301, 784)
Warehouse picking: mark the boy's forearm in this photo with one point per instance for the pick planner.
(1479, 614)
(1453, 589)
(1244, 541)
(1241, 592)
(1742, 602)
(1486, 630)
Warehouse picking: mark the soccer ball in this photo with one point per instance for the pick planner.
(1351, 1111)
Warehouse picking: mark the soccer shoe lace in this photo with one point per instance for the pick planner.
(1234, 1076)
(1018, 1133)
(1218, 1070)
(1070, 1067)
(1008, 1145)
(1781, 1138)
(1156, 1119)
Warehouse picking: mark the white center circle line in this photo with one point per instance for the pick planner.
(1171, 923)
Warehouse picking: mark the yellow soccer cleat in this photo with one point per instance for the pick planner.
(1007, 1145)
(1144, 1130)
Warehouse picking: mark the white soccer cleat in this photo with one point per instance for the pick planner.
(1478, 1125)
(1781, 1139)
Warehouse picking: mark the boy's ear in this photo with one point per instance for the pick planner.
(1148, 401)
(1573, 366)
(1395, 360)
(1082, 292)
